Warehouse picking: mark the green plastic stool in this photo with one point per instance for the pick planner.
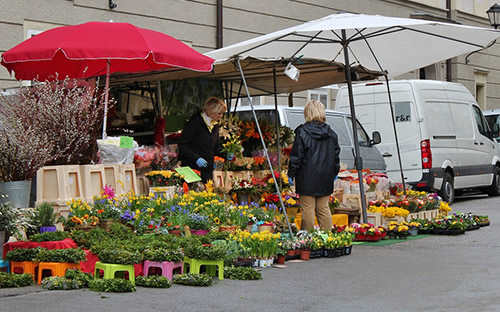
(110, 270)
(195, 265)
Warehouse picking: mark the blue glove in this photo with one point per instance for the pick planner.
(290, 181)
(202, 163)
(230, 156)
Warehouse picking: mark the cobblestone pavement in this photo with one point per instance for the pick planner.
(437, 273)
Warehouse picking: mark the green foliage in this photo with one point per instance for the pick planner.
(46, 215)
(7, 216)
(49, 236)
(118, 256)
(193, 279)
(15, 280)
(22, 254)
(120, 231)
(241, 273)
(86, 239)
(111, 285)
(81, 277)
(161, 254)
(153, 281)
(205, 252)
(69, 255)
(60, 283)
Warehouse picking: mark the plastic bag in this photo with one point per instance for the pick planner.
(110, 151)
(156, 157)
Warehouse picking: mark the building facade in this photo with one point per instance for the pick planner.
(209, 24)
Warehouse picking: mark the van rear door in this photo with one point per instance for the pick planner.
(373, 111)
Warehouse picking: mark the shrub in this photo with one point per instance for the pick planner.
(15, 280)
(118, 256)
(205, 252)
(241, 273)
(49, 236)
(60, 283)
(86, 239)
(153, 281)
(77, 275)
(69, 255)
(111, 285)
(161, 254)
(193, 279)
(22, 254)
(46, 214)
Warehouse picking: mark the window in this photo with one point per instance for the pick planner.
(244, 101)
(494, 124)
(320, 95)
(480, 79)
(402, 111)
(338, 124)
(363, 138)
(478, 117)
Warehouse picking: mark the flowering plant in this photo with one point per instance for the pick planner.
(164, 178)
(197, 222)
(233, 146)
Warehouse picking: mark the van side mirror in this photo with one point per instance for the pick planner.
(375, 138)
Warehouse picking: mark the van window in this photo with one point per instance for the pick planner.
(363, 138)
(268, 115)
(337, 123)
(294, 118)
(494, 123)
(479, 121)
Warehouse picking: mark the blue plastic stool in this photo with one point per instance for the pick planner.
(5, 264)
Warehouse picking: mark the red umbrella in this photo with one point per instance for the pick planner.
(99, 48)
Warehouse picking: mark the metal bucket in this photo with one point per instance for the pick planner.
(18, 193)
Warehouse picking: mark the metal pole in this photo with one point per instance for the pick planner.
(106, 98)
(277, 119)
(395, 134)
(264, 146)
(357, 161)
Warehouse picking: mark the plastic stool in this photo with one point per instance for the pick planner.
(167, 267)
(55, 268)
(5, 264)
(28, 267)
(340, 219)
(110, 270)
(195, 265)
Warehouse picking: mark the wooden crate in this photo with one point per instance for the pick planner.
(218, 178)
(127, 180)
(397, 219)
(374, 218)
(58, 184)
(166, 192)
(413, 215)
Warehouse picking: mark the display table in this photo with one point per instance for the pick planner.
(64, 244)
(88, 265)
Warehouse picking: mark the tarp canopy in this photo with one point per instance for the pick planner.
(400, 44)
(259, 74)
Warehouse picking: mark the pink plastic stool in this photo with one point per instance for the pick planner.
(167, 267)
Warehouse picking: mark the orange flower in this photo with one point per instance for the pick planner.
(218, 159)
(100, 211)
(185, 188)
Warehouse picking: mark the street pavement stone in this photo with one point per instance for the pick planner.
(437, 273)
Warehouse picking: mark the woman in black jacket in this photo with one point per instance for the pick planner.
(200, 138)
(314, 164)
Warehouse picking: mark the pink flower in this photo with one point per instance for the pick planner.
(109, 192)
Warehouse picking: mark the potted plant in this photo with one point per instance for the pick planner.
(7, 222)
(47, 218)
(68, 255)
(198, 224)
(413, 228)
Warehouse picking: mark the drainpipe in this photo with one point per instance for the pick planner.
(451, 14)
(218, 35)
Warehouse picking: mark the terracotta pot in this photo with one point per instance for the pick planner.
(232, 228)
(305, 254)
(281, 259)
(291, 253)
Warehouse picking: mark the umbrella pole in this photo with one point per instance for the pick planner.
(277, 119)
(106, 98)
(395, 135)
(357, 160)
(265, 149)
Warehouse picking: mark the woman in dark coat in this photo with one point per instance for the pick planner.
(200, 138)
(314, 164)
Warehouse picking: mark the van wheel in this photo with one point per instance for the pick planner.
(447, 188)
(494, 189)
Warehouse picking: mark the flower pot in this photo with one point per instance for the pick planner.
(347, 250)
(318, 253)
(199, 232)
(413, 232)
(44, 229)
(266, 227)
(232, 228)
(280, 259)
(18, 193)
(243, 262)
(329, 253)
(305, 254)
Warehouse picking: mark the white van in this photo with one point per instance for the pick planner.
(444, 139)
(340, 122)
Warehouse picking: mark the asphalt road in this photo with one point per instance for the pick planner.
(437, 273)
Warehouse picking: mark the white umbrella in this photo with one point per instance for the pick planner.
(390, 44)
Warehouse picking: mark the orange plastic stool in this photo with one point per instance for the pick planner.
(340, 219)
(56, 268)
(28, 267)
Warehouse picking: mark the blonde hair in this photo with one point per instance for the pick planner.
(314, 111)
(214, 105)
